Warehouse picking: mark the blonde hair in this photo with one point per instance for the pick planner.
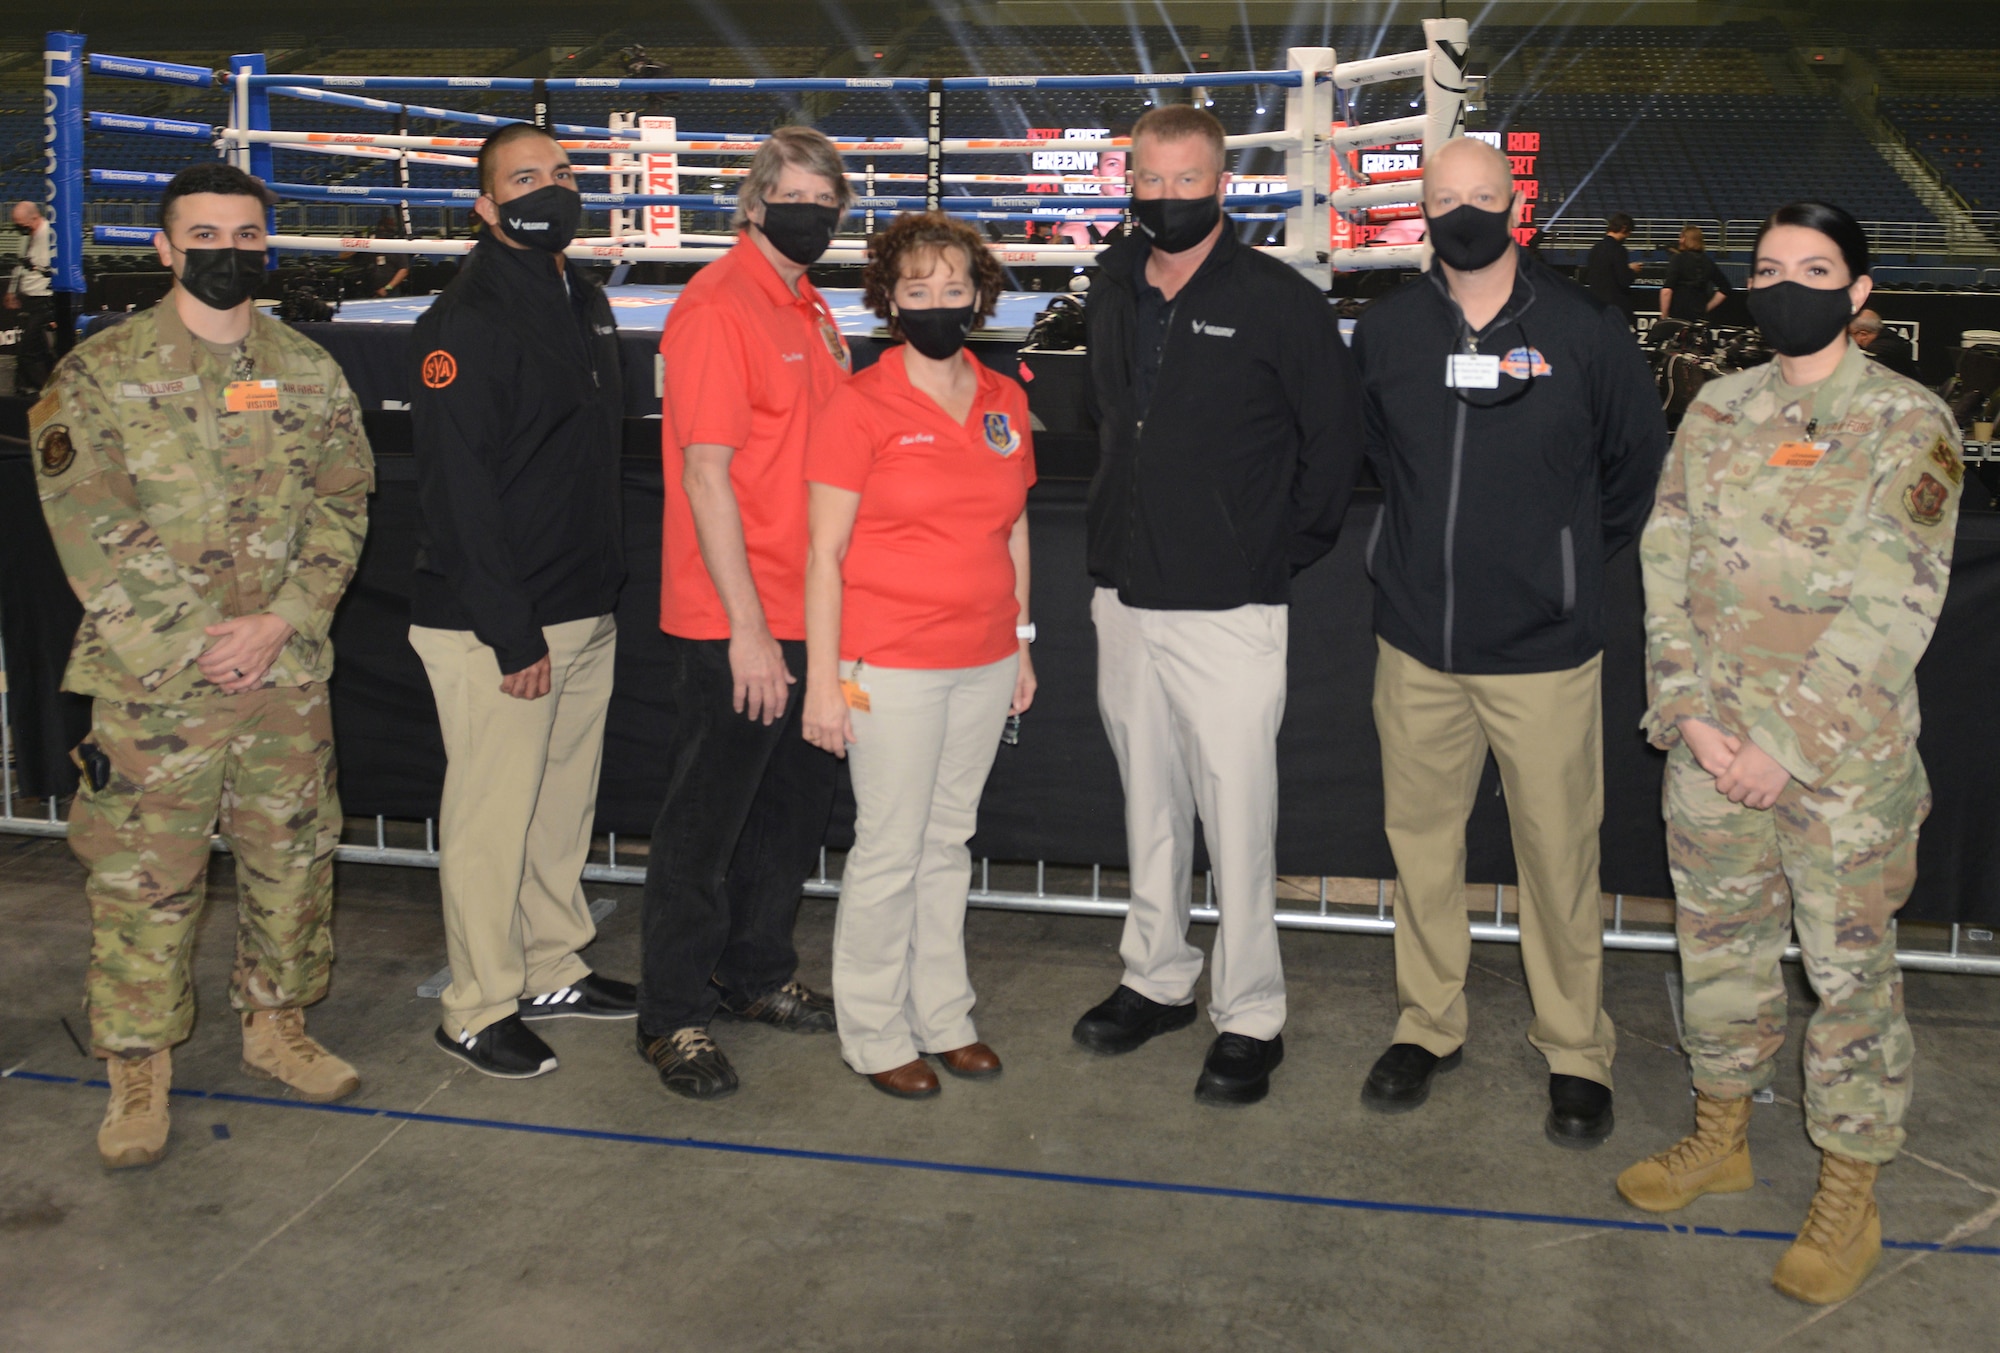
(801, 147)
(1694, 233)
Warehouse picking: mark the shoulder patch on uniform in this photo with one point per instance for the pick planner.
(54, 450)
(1925, 500)
(1945, 456)
(44, 408)
(440, 369)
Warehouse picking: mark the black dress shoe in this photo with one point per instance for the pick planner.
(505, 1048)
(1238, 1069)
(1401, 1078)
(589, 997)
(1126, 1019)
(1579, 1112)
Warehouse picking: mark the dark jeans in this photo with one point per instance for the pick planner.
(36, 355)
(739, 833)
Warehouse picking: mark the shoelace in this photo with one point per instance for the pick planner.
(1833, 1207)
(798, 991)
(290, 1027)
(691, 1043)
(138, 1087)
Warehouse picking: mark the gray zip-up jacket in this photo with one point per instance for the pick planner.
(1502, 504)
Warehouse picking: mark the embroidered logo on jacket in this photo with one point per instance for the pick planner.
(1523, 363)
(1202, 326)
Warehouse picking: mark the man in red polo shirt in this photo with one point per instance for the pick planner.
(751, 353)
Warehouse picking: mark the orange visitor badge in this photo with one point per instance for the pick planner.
(1798, 455)
(250, 396)
(856, 695)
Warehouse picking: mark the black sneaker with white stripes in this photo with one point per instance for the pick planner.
(505, 1048)
(590, 997)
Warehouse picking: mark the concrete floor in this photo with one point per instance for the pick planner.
(275, 1226)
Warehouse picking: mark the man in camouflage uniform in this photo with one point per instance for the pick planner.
(204, 474)
(1795, 564)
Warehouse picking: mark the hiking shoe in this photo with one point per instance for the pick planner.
(276, 1047)
(1841, 1242)
(134, 1131)
(1715, 1158)
(689, 1063)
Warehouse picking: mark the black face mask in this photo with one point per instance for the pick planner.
(936, 333)
(545, 219)
(1468, 238)
(1799, 320)
(1176, 224)
(222, 279)
(801, 231)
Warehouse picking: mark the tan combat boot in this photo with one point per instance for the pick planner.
(1841, 1241)
(275, 1046)
(1716, 1159)
(134, 1131)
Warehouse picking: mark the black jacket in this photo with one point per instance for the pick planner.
(1607, 273)
(1489, 554)
(1238, 474)
(1693, 277)
(517, 418)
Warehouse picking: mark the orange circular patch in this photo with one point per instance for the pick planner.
(440, 369)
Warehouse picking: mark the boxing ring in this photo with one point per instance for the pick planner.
(641, 159)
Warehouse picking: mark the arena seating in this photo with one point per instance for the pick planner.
(1959, 135)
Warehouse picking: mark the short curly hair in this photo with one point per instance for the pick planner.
(920, 236)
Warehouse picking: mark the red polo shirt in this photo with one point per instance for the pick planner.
(747, 364)
(928, 580)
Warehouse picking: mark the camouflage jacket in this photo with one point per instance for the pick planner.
(171, 513)
(1796, 560)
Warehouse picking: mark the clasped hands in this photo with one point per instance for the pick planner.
(1744, 772)
(242, 650)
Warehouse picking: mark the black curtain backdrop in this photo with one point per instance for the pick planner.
(1056, 795)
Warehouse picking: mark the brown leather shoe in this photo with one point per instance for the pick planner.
(911, 1080)
(974, 1061)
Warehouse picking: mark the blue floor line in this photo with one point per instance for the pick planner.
(1004, 1172)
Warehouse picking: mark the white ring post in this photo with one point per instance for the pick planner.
(1449, 43)
(242, 102)
(1309, 121)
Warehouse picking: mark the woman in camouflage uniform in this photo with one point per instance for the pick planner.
(1795, 563)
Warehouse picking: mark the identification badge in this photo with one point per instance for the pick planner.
(250, 396)
(1799, 455)
(1472, 371)
(856, 696)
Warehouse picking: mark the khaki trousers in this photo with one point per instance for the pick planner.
(520, 792)
(1191, 701)
(1544, 730)
(918, 762)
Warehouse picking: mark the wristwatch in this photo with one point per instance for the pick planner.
(1025, 632)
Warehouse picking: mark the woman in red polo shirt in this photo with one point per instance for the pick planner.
(916, 641)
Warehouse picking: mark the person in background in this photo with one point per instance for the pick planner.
(751, 355)
(28, 299)
(917, 637)
(1882, 343)
(1230, 444)
(1795, 565)
(517, 411)
(387, 272)
(1609, 270)
(1694, 285)
(205, 478)
(1513, 423)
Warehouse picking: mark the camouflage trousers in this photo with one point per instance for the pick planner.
(259, 767)
(1836, 863)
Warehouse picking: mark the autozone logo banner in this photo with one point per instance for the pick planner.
(660, 174)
